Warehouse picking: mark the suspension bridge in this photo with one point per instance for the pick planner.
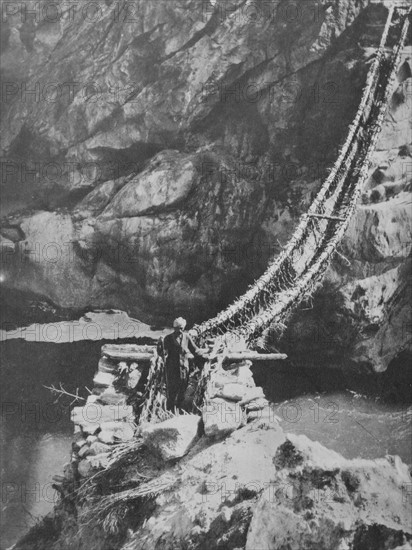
(299, 269)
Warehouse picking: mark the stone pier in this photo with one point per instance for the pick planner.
(231, 397)
(112, 409)
(121, 390)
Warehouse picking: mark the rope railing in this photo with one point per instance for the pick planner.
(281, 273)
(279, 309)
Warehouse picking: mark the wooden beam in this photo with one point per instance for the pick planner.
(131, 352)
(254, 356)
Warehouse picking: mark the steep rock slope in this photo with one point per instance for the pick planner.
(258, 488)
(173, 145)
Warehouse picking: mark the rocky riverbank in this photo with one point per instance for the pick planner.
(229, 479)
(256, 488)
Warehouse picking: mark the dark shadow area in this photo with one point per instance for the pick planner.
(283, 380)
(36, 430)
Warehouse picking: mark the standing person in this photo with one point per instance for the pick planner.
(177, 346)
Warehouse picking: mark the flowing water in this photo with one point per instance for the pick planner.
(36, 432)
(359, 415)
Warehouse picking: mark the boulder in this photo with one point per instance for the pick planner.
(83, 426)
(92, 398)
(133, 378)
(252, 395)
(263, 414)
(172, 438)
(69, 471)
(84, 468)
(222, 378)
(233, 392)
(90, 428)
(107, 366)
(257, 404)
(91, 463)
(84, 451)
(244, 374)
(96, 413)
(98, 448)
(111, 397)
(357, 504)
(221, 417)
(104, 379)
(78, 441)
(112, 432)
(99, 461)
(254, 415)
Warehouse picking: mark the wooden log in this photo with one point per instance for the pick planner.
(130, 356)
(253, 356)
(132, 352)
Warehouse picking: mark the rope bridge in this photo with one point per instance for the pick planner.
(299, 269)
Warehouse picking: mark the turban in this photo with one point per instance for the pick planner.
(179, 322)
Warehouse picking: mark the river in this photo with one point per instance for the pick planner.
(357, 414)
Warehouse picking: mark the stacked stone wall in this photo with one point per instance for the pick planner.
(111, 411)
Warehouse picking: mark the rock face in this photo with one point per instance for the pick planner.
(232, 399)
(260, 490)
(162, 153)
(221, 417)
(326, 501)
(257, 489)
(172, 438)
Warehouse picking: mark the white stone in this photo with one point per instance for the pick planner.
(273, 527)
(252, 394)
(111, 397)
(133, 378)
(91, 463)
(172, 438)
(104, 379)
(84, 450)
(79, 441)
(107, 366)
(257, 404)
(96, 413)
(90, 428)
(84, 468)
(98, 448)
(92, 398)
(99, 461)
(244, 374)
(220, 379)
(112, 432)
(234, 392)
(221, 417)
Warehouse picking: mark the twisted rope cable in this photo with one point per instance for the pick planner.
(252, 296)
(316, 271)
(279, 290)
